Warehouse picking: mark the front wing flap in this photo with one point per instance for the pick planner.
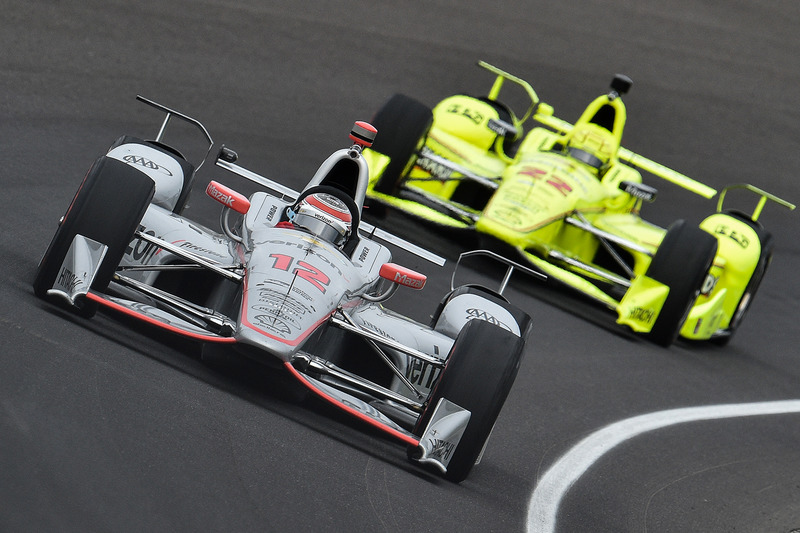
(444, 432)
(353, 406)
(642, 304)
(436, 445)
(77, 272)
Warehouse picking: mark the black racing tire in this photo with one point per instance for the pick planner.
(478, 375)
(403, 124)
(107, 208)
(681, 262)
(764, 260)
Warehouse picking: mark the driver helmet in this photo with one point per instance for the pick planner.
(325, 216)
(592, 145)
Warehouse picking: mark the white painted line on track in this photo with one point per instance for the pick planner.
(554, 484)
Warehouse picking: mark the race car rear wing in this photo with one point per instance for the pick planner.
(226, 160)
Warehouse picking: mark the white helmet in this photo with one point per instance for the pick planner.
(325, 216)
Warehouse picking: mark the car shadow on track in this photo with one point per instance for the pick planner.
(267, 386)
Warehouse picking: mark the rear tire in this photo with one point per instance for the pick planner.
(480, 370)
(681, 262)
(403, 124)
(107, 208)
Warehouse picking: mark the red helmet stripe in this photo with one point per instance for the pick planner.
(342, 214)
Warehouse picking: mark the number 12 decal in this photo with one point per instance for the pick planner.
(304, 270)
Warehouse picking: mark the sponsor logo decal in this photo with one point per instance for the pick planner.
(221, 197)
(277, 311)
(442, 449)
(268, 299)
(638, 191)
(437, 170)
(68, 280)
(303, 294)
(140, 250)
(422, 373)
(406, 281)
(480, 314)
(272, 324)
(372, 327)
(146, 163)
(402, 276)
(501, 127)
(466, 112)
(734, 235)
(708, 285)
(195, 248)
(641, 314)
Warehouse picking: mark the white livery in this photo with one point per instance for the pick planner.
(294, 278)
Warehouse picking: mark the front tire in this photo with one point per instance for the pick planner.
(480, 370)
(107, 208)
(681, 262)
(403, 124)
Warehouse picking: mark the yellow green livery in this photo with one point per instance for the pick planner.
(568, 197)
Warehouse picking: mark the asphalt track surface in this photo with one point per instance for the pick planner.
(104, 427)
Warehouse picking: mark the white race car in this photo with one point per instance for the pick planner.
(293, 278)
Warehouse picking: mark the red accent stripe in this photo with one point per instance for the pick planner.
(355, 412)
(155, 322)
(341, 215)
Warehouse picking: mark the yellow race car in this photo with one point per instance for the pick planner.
(567, 197)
